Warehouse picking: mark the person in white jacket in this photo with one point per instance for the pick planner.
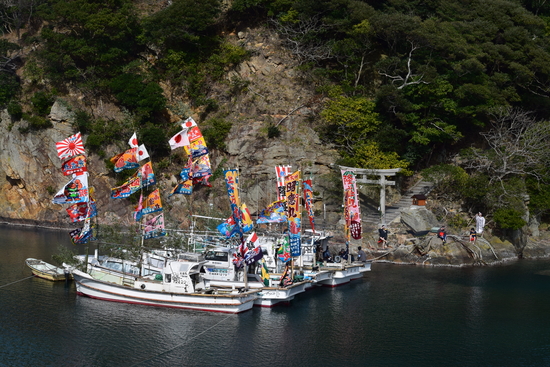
(480, 223)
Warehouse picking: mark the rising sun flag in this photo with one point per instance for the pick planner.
(70, 147)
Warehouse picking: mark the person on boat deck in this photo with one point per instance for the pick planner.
(473, 235)
(361, 256)
(383, 236)
(327, 256)
(343, 254)
(442, 234)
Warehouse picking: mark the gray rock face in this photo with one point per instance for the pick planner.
(419, 219)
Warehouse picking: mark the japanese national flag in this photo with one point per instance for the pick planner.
(179, 140)
(142, 153)
(189, 123)
(70, 147)
(133, 142)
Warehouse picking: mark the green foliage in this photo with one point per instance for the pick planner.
(15, 110)
(9, 87)
(35, 123)
(508, 218)
(83, 122)
(369, 155)
(42, 102)
(457, 221)
(183, 25)
(134, 93)
(348, 119)
(539, 195)
(64, 255)
(87, 40)
(216, 132)
(155, 139)
(273, 131)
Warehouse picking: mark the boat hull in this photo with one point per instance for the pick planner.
(345, 274)
(271, 296)
(226, 303)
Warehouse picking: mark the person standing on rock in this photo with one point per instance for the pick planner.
(480, 223)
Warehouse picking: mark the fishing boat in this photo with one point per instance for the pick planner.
(220, 272)
(177, 286)
(47, 271)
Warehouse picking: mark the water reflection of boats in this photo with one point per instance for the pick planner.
(47, 271)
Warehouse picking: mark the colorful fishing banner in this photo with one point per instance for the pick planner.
(274, 213)
(196, 148)
(308, 199)
(70, 147)
(351, 204)
(193, 134)
(147, 175)
(202, 167)
(281, 172)
(251, 250)
(80, 211)
(265, 273)
(154, 227)
(82, 235)
(232, 183)
(283, 251)
(75, 165)
(293, 212)
(151, 205)
(126, 160)
(138, 208)
(133, 184)
(247, 223)
(75, 191)
(227, 227)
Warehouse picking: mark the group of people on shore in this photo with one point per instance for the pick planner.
(383, 241)
(474, 232)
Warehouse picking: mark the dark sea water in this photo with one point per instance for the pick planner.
(394, 316)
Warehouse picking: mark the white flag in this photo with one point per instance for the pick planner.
(133, 142)
(179, 140)
(189, 123)
(142, 153)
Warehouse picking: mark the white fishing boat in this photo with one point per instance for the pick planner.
(178, 286)
(220, 272)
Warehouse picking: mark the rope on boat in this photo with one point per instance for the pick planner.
(17, 281)
(182, 344)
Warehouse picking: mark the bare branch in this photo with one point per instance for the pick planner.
(518, 146)
(302, 39)
(409, 78)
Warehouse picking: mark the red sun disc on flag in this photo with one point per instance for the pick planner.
(134, 141)
(188, 123)
(177, 139)
(70, 147)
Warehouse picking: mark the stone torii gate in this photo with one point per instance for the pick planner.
(361, 177)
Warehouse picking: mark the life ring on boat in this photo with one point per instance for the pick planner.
(337, 259)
